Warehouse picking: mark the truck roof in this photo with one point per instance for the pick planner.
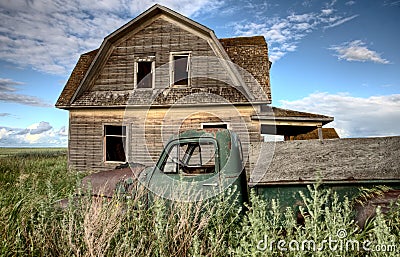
(209, 132)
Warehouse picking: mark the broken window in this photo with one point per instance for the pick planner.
(114, 143)
(191, 158)
(144, 77)
(181, 69)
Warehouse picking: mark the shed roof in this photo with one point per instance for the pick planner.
(275, 114)
(347, 160)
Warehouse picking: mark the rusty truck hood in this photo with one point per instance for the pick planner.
(104, 183)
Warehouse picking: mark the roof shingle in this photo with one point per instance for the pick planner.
(84, 62)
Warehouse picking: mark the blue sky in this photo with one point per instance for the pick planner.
(339, 58)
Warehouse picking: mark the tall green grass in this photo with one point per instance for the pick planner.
(32, 224)
(10, 151)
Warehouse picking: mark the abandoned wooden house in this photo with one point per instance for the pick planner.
(162, 73)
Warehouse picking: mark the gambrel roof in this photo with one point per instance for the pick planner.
(250, 53)
(80, 70)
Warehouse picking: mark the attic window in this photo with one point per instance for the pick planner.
(180, 72)
(114, 143)
(144, 72)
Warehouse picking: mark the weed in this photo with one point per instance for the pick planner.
(31, 223)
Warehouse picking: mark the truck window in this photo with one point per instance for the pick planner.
(191, 158)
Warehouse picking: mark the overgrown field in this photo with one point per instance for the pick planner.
(31, 223)
(5, 152)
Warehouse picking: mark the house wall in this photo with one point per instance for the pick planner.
(148, 131)
(115, 81)
(161, 37)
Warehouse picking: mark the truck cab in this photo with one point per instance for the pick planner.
(198, 164)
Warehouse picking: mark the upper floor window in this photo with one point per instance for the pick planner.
(180, 68)
(144, 72)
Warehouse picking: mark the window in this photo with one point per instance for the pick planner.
(214, 125)
(180, 70)
(144, 78)
(144, 72)
(191, 158)
(114, 143)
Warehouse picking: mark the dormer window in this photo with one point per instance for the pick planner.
(180, 68)
(144, 72)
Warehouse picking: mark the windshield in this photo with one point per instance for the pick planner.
(194, 157)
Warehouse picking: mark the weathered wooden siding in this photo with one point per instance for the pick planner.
(158, 39)
(148, 132)
(115, 82)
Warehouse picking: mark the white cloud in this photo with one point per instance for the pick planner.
(341, 21)
(350, 3)
(332, 3)
(392, 3)
(63, 131)
(8, 85)
(354, 116)
(284, 34)
(306, 17)
(327, 11)
(8, 94)
(40, 134)
(49, 35)
(357, 51)
(4, 133)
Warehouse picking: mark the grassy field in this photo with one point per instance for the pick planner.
(32, 224)
(7, 151)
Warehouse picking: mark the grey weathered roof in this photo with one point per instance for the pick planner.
(275, 113)
(345, 160)
(79, 71)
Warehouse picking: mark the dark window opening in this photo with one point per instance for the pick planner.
(144, 77)
(115, 141)
(181, 69)
(191, 158)
(217, 125)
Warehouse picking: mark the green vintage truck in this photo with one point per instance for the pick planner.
(199, 164)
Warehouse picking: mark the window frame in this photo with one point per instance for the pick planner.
(170, 146)
(136, 70)
(172, 68)
(125, 147)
